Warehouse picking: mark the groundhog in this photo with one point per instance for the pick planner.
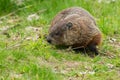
(75, 27)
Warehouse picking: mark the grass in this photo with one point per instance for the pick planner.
(7, 6)
(25, 54)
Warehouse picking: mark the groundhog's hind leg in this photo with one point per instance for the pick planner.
(92, 47)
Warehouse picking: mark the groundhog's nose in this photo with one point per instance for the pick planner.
(48, 39)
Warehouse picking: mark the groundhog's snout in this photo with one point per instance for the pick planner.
(48, 39)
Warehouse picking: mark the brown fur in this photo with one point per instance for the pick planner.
(83, 32)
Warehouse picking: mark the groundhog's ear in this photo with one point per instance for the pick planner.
(69, 25)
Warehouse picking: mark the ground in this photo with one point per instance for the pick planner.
(25, 53)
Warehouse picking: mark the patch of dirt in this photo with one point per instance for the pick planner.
(114, 42)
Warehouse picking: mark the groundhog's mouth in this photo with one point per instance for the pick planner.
(54, 42)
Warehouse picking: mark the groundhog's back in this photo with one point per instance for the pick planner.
(70, 11)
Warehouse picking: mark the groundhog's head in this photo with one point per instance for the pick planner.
(63, 33)
(57, 33)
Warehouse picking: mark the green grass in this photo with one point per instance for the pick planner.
(7, 6)
(24, 56)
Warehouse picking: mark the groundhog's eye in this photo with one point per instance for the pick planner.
(69, 25)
